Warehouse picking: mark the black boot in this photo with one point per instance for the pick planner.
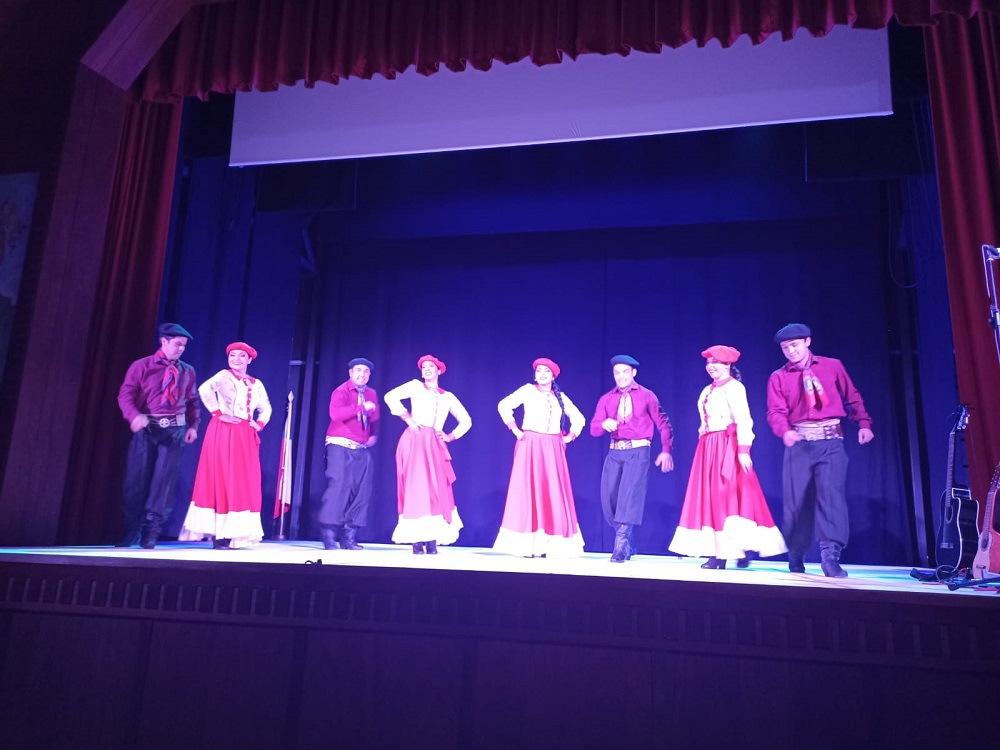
(151, 530)
(347, 541)
(621, 551)
(220, 543)
(418, 548)
(431, 547)
(795, 562)
(632, 548)
(714, 563)
(744, 562)
(830, 560)
(330, 536)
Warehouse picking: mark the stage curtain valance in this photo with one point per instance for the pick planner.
(262, 44)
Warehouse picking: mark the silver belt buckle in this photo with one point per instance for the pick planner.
(164, 422)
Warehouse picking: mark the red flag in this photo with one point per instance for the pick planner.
(283, 494)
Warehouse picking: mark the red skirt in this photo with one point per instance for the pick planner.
(425, 500)
(225, 501)
(725, 513)
(540, 514)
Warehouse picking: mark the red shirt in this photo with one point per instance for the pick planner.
(646, 414)
(787, 403)
(345, 410)
(142, 391)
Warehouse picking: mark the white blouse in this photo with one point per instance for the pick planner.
(541, 411)
(429, 407)
(723, 406)
(226, 393)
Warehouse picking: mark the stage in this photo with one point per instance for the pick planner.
(772, 573)
(273, 647)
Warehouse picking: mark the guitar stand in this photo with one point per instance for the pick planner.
(974, 582)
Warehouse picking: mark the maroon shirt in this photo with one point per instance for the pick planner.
(646, 414)
(344, 411)
(786, 397)
(142, 391)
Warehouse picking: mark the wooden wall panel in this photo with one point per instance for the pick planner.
(34, 478)
(372, 690)
(221, 686)
(71, 682)
(533, 695)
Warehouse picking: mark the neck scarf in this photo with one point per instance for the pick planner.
(363, 413)
(170, 386)
(815, 394)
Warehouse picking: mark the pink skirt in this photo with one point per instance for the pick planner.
(425, 500)
(539, 517)
(725, 513)
(225, 501)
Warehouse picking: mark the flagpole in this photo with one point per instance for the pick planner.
(284, 495)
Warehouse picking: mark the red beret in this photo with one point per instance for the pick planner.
(244, 346)
(547, 363)
(724, 354)
(433, 360)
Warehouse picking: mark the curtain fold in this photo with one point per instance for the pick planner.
(124, 323)
(263, 44)
(963, 65)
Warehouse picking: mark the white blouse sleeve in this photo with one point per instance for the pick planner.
(394, 398)
(576, 419)
(509, 403)
(263, 405)
(464, 420)
(737, 395)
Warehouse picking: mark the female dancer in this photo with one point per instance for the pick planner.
(225, 502)
(539, 517)
(426, 503)
(725, 515)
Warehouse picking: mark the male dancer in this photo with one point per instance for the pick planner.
(629, 414)
(159, 400)
(353, 429)
(805, 401)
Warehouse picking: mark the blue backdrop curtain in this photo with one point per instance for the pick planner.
(667, 245)
(231, 276)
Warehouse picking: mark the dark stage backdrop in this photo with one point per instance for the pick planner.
(656, 247)
(661, 295)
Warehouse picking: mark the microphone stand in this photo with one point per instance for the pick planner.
(973, 582)
(991, 255)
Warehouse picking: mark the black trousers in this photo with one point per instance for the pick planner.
(349, 487)
(814, 478)
(623, 485)
(154, 457)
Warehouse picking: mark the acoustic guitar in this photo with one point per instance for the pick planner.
(958, 533)
(987, 558)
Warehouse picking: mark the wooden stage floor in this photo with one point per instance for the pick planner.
(866, 578)
(472, 649)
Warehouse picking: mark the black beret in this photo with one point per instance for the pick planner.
(360, 361)
(792, 331)
(624, 359)
(171, 330)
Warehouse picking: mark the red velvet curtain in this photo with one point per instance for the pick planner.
(125, 319)
(963, 64)
(261, 44)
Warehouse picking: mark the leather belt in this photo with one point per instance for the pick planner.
(621, 445)
(820, 432)
(345, 443)
(167, 420)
